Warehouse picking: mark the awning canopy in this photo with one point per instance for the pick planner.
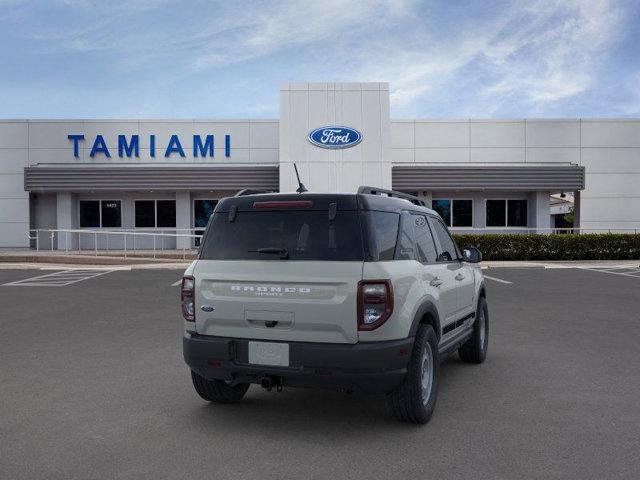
(40, 178)
(555, 178)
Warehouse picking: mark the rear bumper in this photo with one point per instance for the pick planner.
(372, 367)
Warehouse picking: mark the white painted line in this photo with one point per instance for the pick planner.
(610, 272)
(175, 284)
(59, 278)
(499, 280)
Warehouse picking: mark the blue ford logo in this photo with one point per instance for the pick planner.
(207, 308)
(335, 137)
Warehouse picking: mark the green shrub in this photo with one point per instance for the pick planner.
(588, 246)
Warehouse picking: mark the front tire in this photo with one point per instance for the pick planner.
(475, 349)
(415, 399)
(218, 391)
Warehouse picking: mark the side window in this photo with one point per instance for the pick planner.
(426, 248)
(406, 242)
(448, 251)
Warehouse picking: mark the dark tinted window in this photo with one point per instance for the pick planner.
(448, 247)
(89, 214)
(111, 213)
(145, 213)
(496, 213)
(306, 235)
(426, 249)
(383, 233)
(406, 239)
(462, 213)
(166, 213)
(517, 213)
(202, 210)
(443, 207)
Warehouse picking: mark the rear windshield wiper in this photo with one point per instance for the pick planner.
(283, 252)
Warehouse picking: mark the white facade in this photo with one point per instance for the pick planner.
(608, 149)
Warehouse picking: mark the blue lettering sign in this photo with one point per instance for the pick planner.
(132, 147)
(76, 139)
(174, 147)
(152, 146)
(203, 149)
(99, 146)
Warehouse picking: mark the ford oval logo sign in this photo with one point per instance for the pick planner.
(335, 137)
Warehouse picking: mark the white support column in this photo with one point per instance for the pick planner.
(362, 106)
(183, 219)
(541, 211)
(66, 218)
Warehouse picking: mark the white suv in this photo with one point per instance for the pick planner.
(357, 292)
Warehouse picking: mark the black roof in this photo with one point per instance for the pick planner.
(321, 201)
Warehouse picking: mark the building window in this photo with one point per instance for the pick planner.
(507, 213)
(155, 213)
(456, 213)
(90, 214)
(202, 210)
(100, 213)
(517, 213)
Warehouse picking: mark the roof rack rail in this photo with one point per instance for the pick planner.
(250, 191)
(391, 193)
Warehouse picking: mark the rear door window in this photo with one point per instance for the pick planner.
(425, 246)
(448, 251)
(303, 234)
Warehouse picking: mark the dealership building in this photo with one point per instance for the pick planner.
(167, 175)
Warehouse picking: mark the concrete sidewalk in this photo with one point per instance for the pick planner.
(175, 257)
(561, 264)
(89, 257)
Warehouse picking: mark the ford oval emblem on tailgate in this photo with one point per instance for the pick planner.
(335, 137)
(207, 308)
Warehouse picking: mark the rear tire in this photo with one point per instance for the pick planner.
(218, 391)
(475, 349)
(415, 399)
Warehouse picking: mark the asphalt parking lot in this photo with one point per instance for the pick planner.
(92, 385)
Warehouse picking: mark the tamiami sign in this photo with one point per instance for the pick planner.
(130, 146)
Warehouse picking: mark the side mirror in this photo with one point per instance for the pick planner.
(471, 255)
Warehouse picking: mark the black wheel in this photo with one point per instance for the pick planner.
(218, 391)
(475, 349)
(414, 400)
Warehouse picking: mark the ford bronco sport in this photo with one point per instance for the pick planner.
(356, 292)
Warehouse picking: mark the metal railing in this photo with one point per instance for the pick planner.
(83, 240)
(549, 230)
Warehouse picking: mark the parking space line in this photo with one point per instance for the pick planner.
(60, 278)
(175, 284)
(499, 280)
(634, 273)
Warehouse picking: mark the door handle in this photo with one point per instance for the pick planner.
(436, 282)
(459, 277)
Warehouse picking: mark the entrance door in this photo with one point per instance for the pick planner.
(202, 210)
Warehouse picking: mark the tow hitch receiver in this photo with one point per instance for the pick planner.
(269, 382)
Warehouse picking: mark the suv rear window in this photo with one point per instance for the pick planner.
(303, 234)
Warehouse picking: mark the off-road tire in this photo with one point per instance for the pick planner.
(475, 349)
(218, 391)
(406, 401)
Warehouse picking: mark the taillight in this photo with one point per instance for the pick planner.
(187, 298)
(375, 303)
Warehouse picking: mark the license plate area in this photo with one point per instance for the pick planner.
(269, 353)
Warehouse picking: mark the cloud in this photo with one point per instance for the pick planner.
(438, 57)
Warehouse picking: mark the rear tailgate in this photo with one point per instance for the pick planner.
(287, 300)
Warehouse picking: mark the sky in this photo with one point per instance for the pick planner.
(228, 59)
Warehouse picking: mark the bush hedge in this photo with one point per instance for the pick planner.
(586, 246)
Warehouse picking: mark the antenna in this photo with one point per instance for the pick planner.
(301, 188)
